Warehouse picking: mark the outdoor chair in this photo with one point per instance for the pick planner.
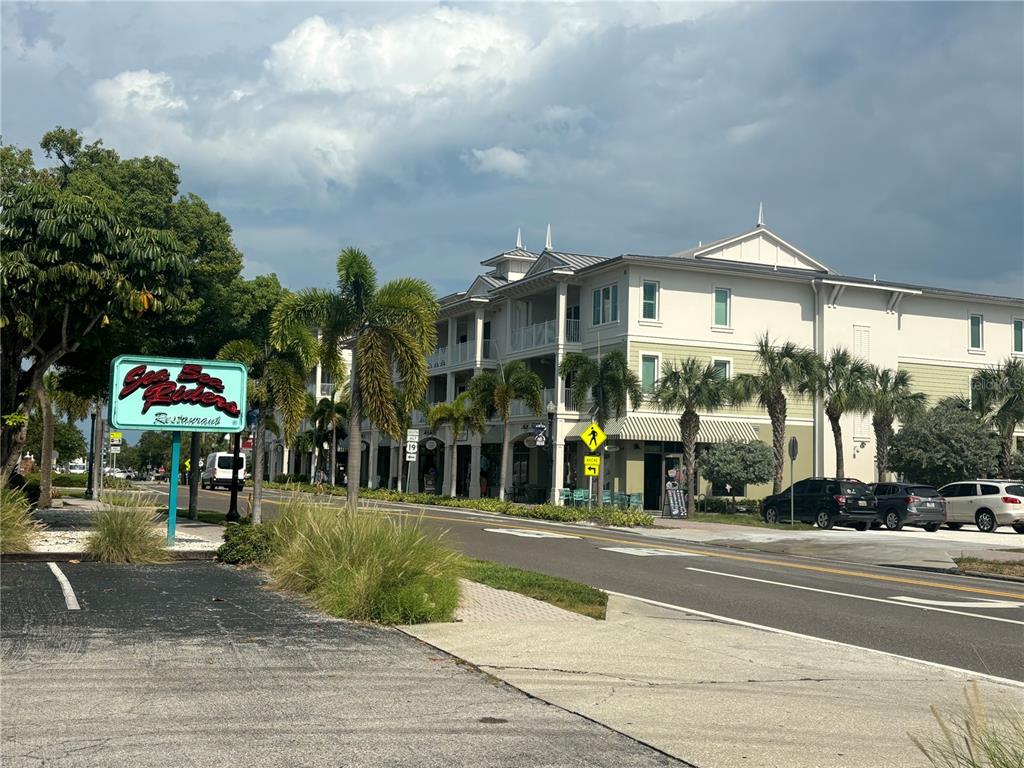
(636, 501)
(565, 496)
(580, 497)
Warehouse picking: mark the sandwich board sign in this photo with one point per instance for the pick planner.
(175, 395)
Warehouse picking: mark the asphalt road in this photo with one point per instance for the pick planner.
(196, 664)
(963, 622)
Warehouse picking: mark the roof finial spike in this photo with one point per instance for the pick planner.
(547, 241)
(519, 237)
(760, 214)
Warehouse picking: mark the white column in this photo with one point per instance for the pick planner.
(478, 332)
(508, 330)
(285, 456)
(450, 455)
(558, 460)
(560, 314)
(453, 324)
(474, 467)
(371, 464)
(450, 389)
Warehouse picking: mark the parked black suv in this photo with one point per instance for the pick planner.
(902, 504)
(824, 501)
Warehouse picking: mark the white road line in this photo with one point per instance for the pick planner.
(738, 622)
(65, 586)
(978, 603)
(530, 533)
(887, 601)
(649, 552)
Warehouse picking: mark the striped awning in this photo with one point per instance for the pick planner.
(665, 427)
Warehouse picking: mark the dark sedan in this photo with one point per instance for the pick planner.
(901, 504)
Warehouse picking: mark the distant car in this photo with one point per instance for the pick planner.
(985, 503)
(77, 467)
(217, 470)
(824, 501)
(901, 504)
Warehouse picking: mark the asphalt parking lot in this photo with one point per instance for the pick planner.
(200, 664)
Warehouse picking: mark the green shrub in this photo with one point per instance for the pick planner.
(722, 505)
(973, 738)
(365, 567)
(126, 535)
(18, 529)
(246, 544)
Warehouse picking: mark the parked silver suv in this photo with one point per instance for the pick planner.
(985, 503)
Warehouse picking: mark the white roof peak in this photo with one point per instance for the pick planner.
(547, 241)
(519, 237)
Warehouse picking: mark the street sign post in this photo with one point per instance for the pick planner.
(591, 466)
(412, 452)
(794, 448)
(175, 395)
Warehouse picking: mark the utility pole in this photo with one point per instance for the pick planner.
(90, 488)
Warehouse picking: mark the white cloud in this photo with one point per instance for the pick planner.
(138, 91)
(498, 160)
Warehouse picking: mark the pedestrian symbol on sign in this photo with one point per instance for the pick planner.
(594, 436)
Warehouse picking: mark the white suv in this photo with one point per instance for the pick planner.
(985, 503)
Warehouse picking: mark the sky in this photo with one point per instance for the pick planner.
(882, 138)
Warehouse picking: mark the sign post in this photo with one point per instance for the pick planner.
(174, 395)
(412, 452)
(794, 447)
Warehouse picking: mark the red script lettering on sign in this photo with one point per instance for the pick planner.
(159, 389)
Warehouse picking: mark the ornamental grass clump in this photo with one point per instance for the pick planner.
(365, 566)
(976, 738)
(18, 529)
(126, 535)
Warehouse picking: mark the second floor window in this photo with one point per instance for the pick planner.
(722, 369)
(648, 373)
(1018, 335)
(606, 305)
(977, 332)
(650, 308)
(723, 308)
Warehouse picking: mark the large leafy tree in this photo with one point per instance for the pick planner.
(689, 387)
(949, 442)
(842, 381)
(496, 390)
(460, 415)
(997, 396)
(70, 264)
(780, 369)
(278, 369)
(389, 328)
(737, 464)
(66, 440)
(890, 397)
(611, 385)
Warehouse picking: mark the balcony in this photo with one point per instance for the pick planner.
(543, 334)
(567, 394)
(326, 388)
(519, 408)
(465, 352)
(438, 358)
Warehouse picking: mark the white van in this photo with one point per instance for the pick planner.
(217, 470)
(76, 467)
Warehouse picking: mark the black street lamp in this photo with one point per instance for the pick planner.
(232, 515)
(89, 490)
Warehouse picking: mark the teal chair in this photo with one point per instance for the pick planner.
(581, 496)
(606, 497)
(636, 501)
(565, 496)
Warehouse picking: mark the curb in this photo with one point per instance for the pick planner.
(63, 557)
(997, 576)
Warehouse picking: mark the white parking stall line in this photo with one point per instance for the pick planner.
(649, 552)
(530, 533)
(65, 586)
(886, 600)
(978, 603)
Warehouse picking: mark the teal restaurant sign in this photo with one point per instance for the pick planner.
(171, 395)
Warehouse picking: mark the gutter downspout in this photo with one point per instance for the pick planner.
(816, 327)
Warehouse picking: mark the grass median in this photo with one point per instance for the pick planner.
(570, 595)
(996, 567)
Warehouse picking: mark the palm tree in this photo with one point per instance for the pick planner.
(842, 381)
(780, 369)
(390, 327)
(460, 414)
(611, 385)
(997, 395)
(277, 381)
(497, 389)
(686, 388)
(890, 398)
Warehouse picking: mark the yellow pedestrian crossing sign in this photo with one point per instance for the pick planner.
(594, 436)
(591, 466)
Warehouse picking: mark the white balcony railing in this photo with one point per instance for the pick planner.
(519, 408)
(464, 351)
(488, 350)
(567, 394)
(326, 388)
(438, 358)
(572, 331)
(532, 336)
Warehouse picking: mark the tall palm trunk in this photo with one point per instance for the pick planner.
(334, 451)
(777, 414)
(258, 441)
(837, 437)
(505, 446)
(453, 472)
(400, 484)
(883, 435)
(354, 465)
(689, 426)
(46, 454)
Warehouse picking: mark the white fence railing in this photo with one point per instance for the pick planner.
(519, 408)
(532, 336)
(572, 331)
(438, 358)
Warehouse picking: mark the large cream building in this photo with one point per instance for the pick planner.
(711, 302)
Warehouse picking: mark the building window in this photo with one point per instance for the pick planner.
(723, 309)
(606, 305)
(1018, 335)
(977, 332)
(723, 369)
(650, 309)
(648, 373)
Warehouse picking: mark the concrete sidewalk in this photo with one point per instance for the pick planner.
(909, 548)
(715, 694)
